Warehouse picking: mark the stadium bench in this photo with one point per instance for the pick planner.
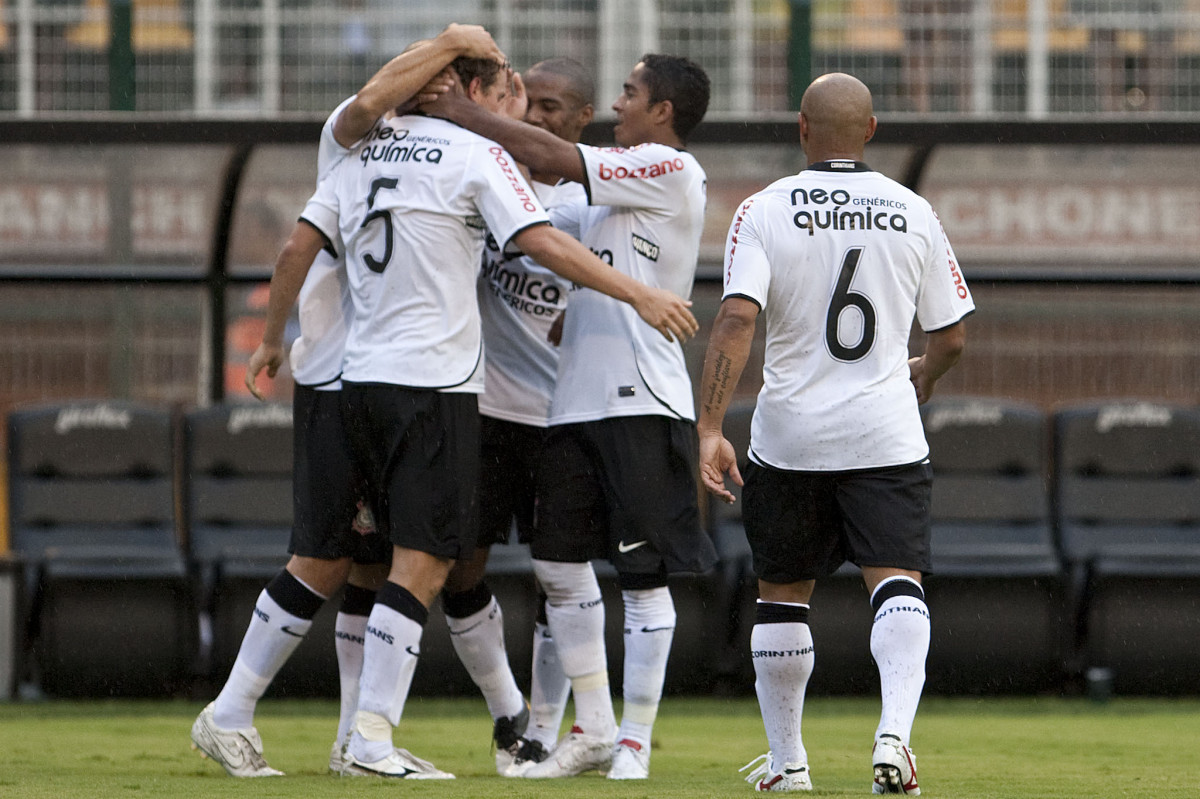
(997, 595)
(1128, 502)
(92, 504)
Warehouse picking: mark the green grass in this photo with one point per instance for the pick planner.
(976, 748)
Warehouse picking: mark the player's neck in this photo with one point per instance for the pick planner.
(820, 156)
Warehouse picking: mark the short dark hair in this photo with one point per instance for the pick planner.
(684, 83)
(578, 78)
(485, 69)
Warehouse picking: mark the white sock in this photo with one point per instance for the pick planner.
(349, 636)
(478, 641)
(390, 654)
(899, 644)
(649, 628)
(271, 638)
(782, 651)
(548, 689)
(575, 612)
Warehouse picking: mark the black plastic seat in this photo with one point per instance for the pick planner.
(1128, 500)
(92, 503)
(998, 599)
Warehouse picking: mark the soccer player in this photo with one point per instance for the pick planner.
(518, 300)
(839, 259)
(411, 205)
(621, 457)
(333, 538)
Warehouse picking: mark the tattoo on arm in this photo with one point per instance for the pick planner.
(720, 388)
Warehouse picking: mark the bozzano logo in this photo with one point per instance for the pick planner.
(517, 184)
(607, 172)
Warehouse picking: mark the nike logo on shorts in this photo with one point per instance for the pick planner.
(622, 547)
(410, 651)
(290, 631)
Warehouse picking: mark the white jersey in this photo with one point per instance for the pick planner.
(324, 302)
(519, 300)
(645, 217)
(413, 203)
(840, 259)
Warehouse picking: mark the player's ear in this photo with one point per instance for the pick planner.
(586, 115)
(663, 111)
(475, 88)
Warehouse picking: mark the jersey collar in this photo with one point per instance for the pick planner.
(840, 165)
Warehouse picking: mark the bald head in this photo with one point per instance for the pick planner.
(836, 118)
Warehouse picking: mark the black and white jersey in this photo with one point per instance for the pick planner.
(644, 216)
(413, 203)
(324, 303)
(840, 259)
(519, 300)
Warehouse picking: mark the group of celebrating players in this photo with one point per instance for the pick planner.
(491, 328)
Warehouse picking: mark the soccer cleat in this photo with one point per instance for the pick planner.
(576, 753)
(630, 761)
(895, 767)
(399, 764)
(336, 761)
(506, 735)
(764, 776)
(238, 751)
(528, 755)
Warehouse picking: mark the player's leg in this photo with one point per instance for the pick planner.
(473, 615)
(793, 534)
(420, 456)
(476, 624)
(323, 506)
(887, 526)
(571, 532)
(549, 690)
(349, 633)
(649, 468)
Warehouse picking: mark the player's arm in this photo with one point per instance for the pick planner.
(401, 78)
(291, 268)
(540, 150)
(728, 350)
(663, 310)
(943, 348)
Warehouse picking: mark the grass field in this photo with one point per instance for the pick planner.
(977, 748)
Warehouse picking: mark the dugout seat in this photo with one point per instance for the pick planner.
(997, 595)
(92, 504)
(237, 499)
(1128, 514)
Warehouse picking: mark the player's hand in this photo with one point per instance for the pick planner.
(667, 313)
(517, 101)
(444, 82)
(554, 334)
(266, 356)
(921, 381)
(718, 459)
(442, 95)
(473, 41)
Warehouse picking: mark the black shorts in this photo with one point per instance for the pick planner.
(804, 525)
(418, 451)
(510, 452)
(623, 489)
(327, 492)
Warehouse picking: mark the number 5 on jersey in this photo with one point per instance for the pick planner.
(373, 264)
